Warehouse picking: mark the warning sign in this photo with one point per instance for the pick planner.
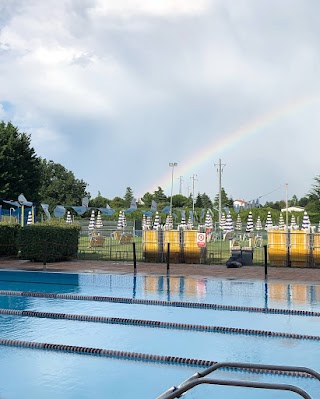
(201, 239)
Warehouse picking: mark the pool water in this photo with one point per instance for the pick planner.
(33, 373)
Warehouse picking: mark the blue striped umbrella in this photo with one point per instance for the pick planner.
(305, 222)
(269, 223)
(228, 226)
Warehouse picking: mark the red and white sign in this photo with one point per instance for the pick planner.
(201, 239)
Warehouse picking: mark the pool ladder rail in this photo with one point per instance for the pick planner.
(199, 378)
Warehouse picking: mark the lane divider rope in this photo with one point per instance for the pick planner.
(155, 302)
(144, 357)
(157, 324)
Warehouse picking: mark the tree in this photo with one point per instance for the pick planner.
(98, 201)
(225, 201)
(206, 201)
(128, 197)
(198, 203)
(159, 196)
(147, 199)
(59, 185)
(19, 165)
(117, 203)
(179, 201)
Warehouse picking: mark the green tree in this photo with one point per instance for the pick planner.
(225, 201)
(198, 203)
(117, 203)
(147, 199)
(294, 201)
(179, 201)
(206, 201)
(159, 196)
(128, 197)
(59, 185)
(19, 165)
(99, 201)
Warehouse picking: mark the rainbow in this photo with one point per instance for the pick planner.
(230, 140)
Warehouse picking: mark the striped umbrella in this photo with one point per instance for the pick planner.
(281, 222)
(269, 223)
(99, 223)
(293, 223)
(208, 223)
(120, 225)
(149, 222)
(29, 220)
(92, 221)
(239, 223)
(183, 224)
(305, 222)
(228, 226)
(258, 224)
(156, 223)
(144, 222)
(190, 223)
(69, 219)
(222, 221)
(249, 226)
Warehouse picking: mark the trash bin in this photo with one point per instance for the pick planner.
(247, 255)
(236, 251)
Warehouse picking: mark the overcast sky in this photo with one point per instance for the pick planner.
(115, 90)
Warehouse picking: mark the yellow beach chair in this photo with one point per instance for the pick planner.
(299, 248)
(277, 247)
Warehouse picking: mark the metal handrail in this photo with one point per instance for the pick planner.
(198, 378)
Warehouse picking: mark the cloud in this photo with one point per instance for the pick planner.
(125, 87)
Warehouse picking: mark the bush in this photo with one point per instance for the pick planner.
(8, 239)
(48, 241)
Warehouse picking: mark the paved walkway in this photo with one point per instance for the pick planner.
(245, 272)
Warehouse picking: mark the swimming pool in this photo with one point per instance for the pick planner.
(45, 302)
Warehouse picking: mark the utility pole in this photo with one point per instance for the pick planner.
(180, 184)
(220, 170)
(194, 178)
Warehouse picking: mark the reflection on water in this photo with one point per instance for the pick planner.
(256, 293)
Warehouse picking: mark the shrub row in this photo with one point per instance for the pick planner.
(45, 242)
(8, 239)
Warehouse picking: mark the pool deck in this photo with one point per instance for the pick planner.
(191, 270)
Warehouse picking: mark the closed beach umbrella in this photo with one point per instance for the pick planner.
(305, 222)
(238, 223)
(144, 223)
(222, 221)
(92, 221)
(228, 226)
(293, 223)
(281, 222)
(249, 226)
(120, 221)
(29, 220)
(269, 223)
(208, 223)
(156, 223)
(149, 222)
(258, 224)
(69, 219)
(190, 223)
(99, 223)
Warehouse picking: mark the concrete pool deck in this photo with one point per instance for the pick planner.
(191, 270)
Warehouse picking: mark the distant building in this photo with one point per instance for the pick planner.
(240, 204)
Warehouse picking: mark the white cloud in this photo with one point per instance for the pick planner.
(157, 81)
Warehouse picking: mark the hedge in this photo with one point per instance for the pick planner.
(8, 239)
(48, 241)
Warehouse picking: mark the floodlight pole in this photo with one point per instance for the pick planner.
(219, 170)
(172, 165)
(194, 177)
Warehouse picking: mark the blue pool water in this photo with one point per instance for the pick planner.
(33, 373)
